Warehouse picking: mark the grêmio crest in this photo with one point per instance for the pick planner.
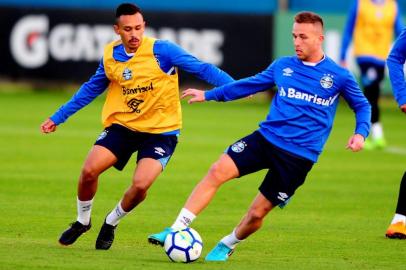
(127, 74)
(327, 81)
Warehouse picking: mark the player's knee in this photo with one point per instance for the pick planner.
(218, 174)
(256, 214)
(139, 187)
(89, 174)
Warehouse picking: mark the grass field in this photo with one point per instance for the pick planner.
(337, 220)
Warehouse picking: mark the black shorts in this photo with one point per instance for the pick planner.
(286, 171)
(123, 142)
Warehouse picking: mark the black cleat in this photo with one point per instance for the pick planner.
(75, 230)
(106, 236)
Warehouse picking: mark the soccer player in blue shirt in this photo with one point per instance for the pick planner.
(141, 114)
(395, 62)
(290, 139)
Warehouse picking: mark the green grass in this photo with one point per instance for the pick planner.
(336, 220)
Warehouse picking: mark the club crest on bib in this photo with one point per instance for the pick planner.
(238, 147)
(327, 81)
(127, 74)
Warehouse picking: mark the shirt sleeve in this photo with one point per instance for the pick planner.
(207, 72)
(86, 94)
(348, 30)
(395, 62)
(359, 104)
(244, 87)
(398, 22)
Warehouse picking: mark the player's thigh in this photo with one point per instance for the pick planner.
(158, 147)
(287, 173)
(146, 172)
(99, 159)
(224, 169)
(260, 206)
(153, 156)
(248, 153)
(121, 142)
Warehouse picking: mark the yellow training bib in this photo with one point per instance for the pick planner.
(140, 95)
(374, 28)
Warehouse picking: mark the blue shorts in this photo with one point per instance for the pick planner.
(286, 171)
(123, 142)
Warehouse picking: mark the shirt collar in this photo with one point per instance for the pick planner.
(314, 64)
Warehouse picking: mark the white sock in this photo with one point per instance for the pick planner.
(84, 209)
(376, 130)
(115, 215)
(231, 240)
(398, 218)
(184, 219)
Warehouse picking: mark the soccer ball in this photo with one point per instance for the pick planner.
(184, 245)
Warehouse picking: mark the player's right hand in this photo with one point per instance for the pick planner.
(356, 143)
(403, 108)
(48, 126)
(196, 94)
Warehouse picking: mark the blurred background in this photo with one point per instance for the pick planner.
(46, 41)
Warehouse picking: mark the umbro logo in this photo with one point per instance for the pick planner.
(86, 208)
(159, 151)
(287, 72)
(282, 196)
(186, 221)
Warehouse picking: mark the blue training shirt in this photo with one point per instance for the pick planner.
(168, 56)
(395, 62)
(302, 112)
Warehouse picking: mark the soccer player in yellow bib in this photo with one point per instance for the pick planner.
(371, 25)
(395, 62)
(141, 114)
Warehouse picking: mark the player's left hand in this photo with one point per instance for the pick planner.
(356, 143)
(48, 126)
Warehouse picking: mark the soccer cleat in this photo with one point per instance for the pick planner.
(369, 144)
(219, 253)
(380, 143)
(396, 230)
(75, 230)
(372, 144)
(159, 238)
(106, 236)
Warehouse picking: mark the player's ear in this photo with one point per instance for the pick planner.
(321, 38)
(116, 28)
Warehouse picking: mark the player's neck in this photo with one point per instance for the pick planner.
(315, 58)
(129, 52)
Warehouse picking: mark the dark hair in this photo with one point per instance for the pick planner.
(127, 9)
(308, 17)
